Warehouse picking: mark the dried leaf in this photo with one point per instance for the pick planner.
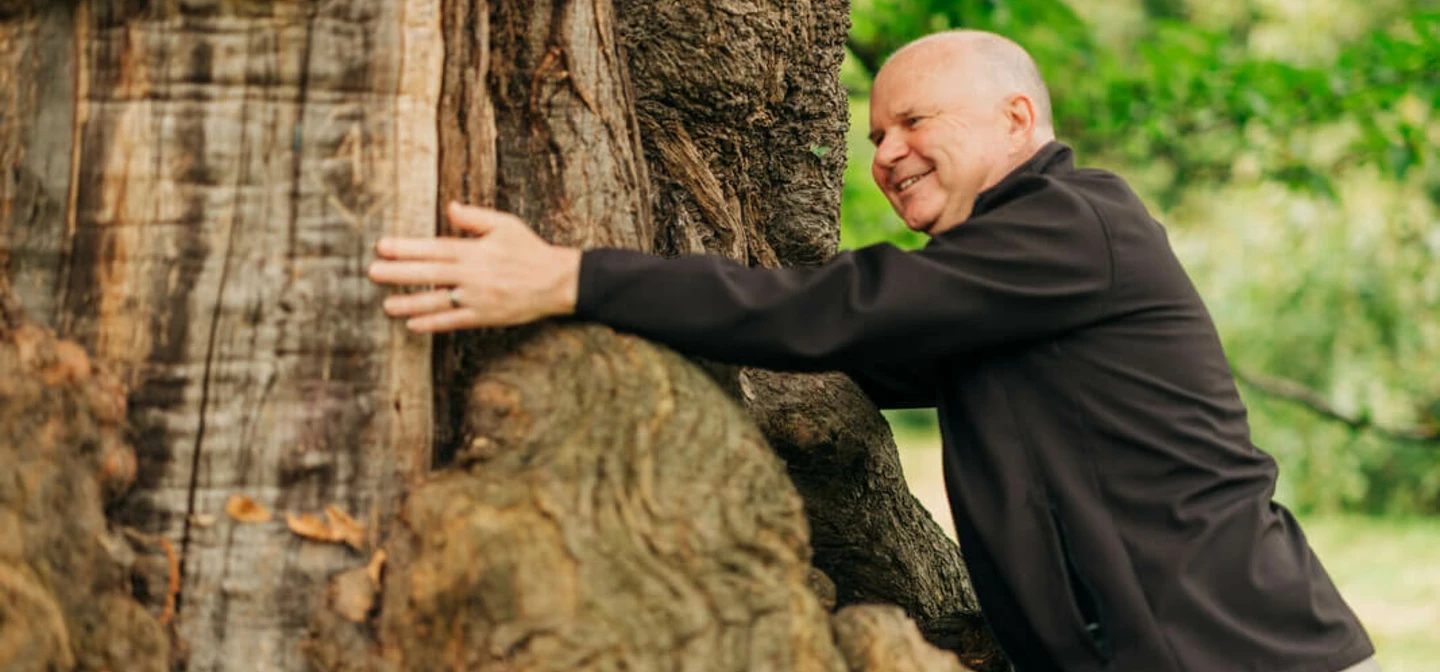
(246, 510)
(377, 563)
(310, 527)
(202, 520)
(352, 594)
(346, 528)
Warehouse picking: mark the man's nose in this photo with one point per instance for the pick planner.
(889, 151)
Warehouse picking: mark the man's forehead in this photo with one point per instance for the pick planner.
(901, 93)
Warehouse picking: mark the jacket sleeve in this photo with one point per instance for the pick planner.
(1020, 272)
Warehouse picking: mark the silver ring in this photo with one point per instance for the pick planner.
(454, 295)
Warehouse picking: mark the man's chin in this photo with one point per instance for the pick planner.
(929, 227)
(920, 225)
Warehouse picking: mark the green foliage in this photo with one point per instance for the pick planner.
(1294, 161)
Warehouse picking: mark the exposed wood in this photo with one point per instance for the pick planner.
(199, 185)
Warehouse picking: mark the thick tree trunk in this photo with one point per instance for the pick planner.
(744, 122)
(194, 191)
(190, 192)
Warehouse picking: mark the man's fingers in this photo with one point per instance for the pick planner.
(419, 303)
(413, 272)
(450, 320)
(477, 220)
(417, 249)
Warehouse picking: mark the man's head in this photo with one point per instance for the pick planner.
(950, 115)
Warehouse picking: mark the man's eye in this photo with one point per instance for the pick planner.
(912, 121)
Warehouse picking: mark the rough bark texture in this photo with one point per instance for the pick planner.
(192, 191)
(191, 188)
(883, 639)
(871, 536)
(64, 593)
(537, 119)
(744, 123)
(744, 120)
(575, 537)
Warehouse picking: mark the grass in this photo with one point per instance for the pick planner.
(1388, 569)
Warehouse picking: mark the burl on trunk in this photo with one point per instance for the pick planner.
(191, 189)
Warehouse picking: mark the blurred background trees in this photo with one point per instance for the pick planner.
(1289, 146)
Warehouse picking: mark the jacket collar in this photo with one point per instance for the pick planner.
(1053, 157)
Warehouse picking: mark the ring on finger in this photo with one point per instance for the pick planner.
(454, 295)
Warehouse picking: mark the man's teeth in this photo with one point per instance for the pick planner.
(909, 181)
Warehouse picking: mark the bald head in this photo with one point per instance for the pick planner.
(994, 66)
(951, 115)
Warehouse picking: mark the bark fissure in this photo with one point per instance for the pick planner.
(298, 140)
(204, 406)
(77, 140)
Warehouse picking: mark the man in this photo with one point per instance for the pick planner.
(1113, 511)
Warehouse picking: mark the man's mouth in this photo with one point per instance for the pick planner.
(910, 181)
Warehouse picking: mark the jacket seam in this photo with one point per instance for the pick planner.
(1109, 248)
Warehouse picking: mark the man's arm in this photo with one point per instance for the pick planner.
(899, 385)
(1028, 271)
(1037, 267)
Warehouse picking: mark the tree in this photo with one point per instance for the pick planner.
(191, 188)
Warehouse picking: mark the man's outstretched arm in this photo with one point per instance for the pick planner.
(989, 281)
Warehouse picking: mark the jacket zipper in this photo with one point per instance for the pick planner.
(1081, 595)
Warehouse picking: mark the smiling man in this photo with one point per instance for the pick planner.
(944, 134)
(1114, 513)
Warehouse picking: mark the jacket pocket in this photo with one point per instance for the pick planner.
(1085, 606)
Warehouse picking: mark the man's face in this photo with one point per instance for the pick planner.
(939, 141)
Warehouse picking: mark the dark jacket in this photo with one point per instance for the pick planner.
(1111, 506)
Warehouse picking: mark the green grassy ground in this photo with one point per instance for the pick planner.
(1388, 569)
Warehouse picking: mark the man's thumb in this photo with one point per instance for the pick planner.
(476, 220)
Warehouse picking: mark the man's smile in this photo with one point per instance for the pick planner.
(906, 183)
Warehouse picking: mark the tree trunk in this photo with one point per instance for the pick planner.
(191, 189)
(196, 189)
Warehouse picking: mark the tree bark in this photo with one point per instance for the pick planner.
(194, 191)
(190, 192)
(744, 123)
(64, 598)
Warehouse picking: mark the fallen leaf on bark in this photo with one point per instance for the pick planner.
(310, 527)
(246, 510)
(345, 528)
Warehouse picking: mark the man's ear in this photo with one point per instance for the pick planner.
(1019, 114)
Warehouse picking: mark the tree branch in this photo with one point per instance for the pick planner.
(867, 54)
(1316, 403)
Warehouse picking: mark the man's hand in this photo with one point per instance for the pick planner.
(504, 276)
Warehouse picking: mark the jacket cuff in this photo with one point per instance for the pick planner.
(600, 271)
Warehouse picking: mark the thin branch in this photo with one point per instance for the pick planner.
(1316, 403)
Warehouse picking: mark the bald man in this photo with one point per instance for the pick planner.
(1112, 508)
